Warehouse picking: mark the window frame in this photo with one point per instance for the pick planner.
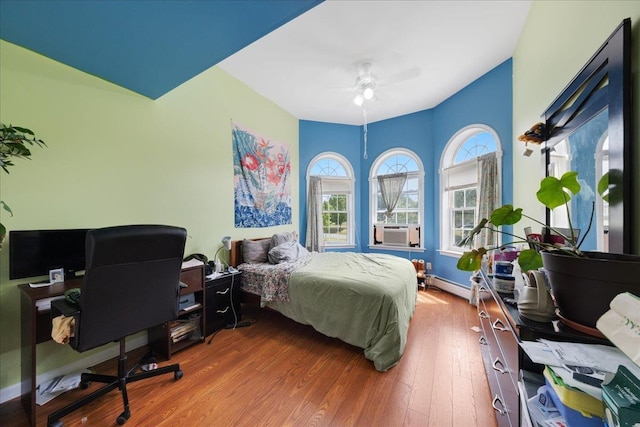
(350, 180)
(373, 199)
(455, 143)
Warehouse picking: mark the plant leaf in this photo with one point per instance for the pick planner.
(529, 259)
(472, 260)
(468, 239)
(506, 215)
(6, 207)
(552, 190)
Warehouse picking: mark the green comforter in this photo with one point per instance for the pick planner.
(366, 300)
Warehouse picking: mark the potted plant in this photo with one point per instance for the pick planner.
(14, 142)
(583, 283)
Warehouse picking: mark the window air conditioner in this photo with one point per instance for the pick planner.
(395, 236)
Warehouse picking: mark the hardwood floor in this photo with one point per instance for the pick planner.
(280, 373)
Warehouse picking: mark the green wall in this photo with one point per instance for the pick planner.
(115, 157)
(558, 39)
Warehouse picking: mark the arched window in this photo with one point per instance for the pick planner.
(460, 181)
(338, 182)
(396, 200)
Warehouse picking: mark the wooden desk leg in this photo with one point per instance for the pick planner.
(28, 355)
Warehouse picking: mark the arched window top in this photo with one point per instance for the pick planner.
(469, 143)
(330, 165)
(474, 146)
(395, 161)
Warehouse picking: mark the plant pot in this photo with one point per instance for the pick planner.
(584, 287)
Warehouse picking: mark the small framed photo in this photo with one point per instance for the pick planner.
(56, 275)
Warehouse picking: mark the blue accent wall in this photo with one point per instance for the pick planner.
(486, 101)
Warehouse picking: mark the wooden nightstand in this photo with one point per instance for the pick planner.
(222, 305)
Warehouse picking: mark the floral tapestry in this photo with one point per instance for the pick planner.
(262, 188)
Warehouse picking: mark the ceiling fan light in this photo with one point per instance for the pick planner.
(358, 100)
(367, 93)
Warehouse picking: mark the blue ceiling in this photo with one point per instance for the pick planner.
(149, 47)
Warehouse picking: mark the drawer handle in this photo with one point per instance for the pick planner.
(482, 289)
(483, 314)
(226, 291)
(482, 341)
(494, 403)
(223, 311)
(498, 325)
(498, 368)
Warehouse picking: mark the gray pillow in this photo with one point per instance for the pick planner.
(286, 252)
(255, 251)
(280, 238)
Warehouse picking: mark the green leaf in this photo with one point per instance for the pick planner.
(506, 215)
(529, 259)
(468, 239)
(552, 190)
(6, 207)
(3, 234)
(472, 260)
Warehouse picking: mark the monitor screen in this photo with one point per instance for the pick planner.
(34, 252)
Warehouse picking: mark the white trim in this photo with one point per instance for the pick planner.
(373, 187)
(451, 287)
(108, 352)
(351, 209)
(446, 164)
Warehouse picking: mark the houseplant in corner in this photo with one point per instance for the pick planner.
(14, 142)
(583, 283)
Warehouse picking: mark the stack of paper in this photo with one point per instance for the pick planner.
(621, 324)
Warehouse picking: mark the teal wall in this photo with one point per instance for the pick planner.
(487, 101)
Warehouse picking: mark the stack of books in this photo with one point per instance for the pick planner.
(181, 329)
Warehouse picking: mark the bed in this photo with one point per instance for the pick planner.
(366, 300)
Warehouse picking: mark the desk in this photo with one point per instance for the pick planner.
(35, 328)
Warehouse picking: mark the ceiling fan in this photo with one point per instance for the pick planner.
(367, 83)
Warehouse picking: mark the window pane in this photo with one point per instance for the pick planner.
(412, 218)
(380, 217)
(458, 199)
(471, 197)
(469, 219)
(457, 219)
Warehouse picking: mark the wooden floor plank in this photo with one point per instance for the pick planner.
(280, 373)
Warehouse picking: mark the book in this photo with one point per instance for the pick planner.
(40, 284)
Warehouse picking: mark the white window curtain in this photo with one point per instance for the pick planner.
(391, 188)
(488, 195)
(315, 237)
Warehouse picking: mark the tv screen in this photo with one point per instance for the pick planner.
(34, 252)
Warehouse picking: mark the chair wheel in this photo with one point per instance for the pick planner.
(85, 384)
(177, 375)
(123, 417)
(55, 424)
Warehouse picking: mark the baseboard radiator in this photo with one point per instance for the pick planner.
(451, 287)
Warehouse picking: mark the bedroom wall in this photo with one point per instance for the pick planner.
(115, 157)
(558, 39)
(486, 100)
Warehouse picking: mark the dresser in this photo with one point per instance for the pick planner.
(511, 375)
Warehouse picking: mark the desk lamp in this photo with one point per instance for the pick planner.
(226, 244)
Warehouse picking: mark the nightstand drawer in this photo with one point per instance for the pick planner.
(222, 305)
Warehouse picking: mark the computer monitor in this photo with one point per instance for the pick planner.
(34, 252)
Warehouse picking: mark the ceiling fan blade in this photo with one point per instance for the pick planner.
(407, 74)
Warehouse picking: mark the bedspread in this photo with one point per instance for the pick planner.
(366, 300)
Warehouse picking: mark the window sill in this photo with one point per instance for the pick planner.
(449, 252)
(396, 248)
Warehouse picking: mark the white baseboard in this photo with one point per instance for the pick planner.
(451, 287)
(111, 351)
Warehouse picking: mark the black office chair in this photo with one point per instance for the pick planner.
(131, 283)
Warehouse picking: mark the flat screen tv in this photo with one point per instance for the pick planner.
(34, 252)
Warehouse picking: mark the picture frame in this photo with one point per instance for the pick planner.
(56, 275)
